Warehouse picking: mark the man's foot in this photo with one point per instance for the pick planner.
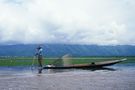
(39, 70)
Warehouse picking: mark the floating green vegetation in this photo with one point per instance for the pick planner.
(26, 61)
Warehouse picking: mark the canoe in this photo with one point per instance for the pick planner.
(90, 65)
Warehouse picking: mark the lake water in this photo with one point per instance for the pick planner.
(116, 77)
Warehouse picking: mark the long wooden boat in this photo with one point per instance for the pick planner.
(91, 65)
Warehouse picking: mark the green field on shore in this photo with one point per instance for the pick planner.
(22, 61)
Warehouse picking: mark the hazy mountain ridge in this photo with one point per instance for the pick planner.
(58, 50)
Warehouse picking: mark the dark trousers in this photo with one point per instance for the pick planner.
(40, 60)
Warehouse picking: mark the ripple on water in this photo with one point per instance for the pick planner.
(121, 78)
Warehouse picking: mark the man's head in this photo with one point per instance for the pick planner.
(39, 47)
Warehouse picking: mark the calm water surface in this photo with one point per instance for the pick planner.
(116, 77)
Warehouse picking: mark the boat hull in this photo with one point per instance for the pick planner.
(91, 65)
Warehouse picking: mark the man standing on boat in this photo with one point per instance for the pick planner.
(39, 54)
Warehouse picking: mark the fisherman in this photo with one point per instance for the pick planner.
(39, 52)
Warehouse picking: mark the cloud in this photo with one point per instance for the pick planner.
(67, 21)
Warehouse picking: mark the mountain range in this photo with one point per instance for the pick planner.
(58, 50)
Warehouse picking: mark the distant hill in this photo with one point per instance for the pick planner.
(58, 50)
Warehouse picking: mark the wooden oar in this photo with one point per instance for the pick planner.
(33, 62)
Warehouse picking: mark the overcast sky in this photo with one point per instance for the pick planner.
(101, 22)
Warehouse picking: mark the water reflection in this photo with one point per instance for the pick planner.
(21, 70)
(118, 77)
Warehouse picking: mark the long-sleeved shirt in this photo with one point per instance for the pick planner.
(39, 52)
